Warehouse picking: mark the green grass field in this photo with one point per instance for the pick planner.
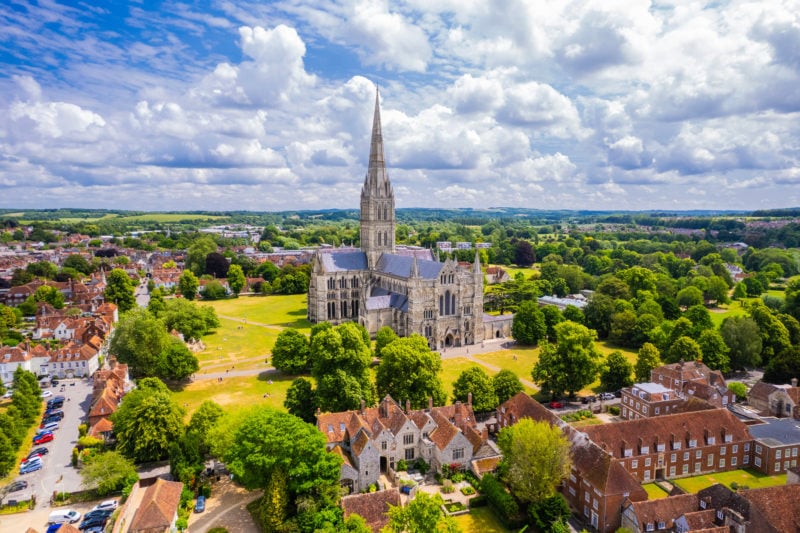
(283, 311)
(749, 478)
(654, 492)
(235, 342)
(526, 357)
(480, 520)
(725, 310)
(172, 217)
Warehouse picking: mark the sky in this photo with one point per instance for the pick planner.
(267, 106)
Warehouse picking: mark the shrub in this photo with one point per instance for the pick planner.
(457, 478)
(613, 410)
(447, 487)
(500, 500)
(82, 429)
(478, 501)
(453, 507)
(75, 457)
(422, 466)
(89, 442)
(467, 491)
(402, 465)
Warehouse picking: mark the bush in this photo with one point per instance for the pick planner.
(467, 491)
(82, 429)
(447, 487)
(422, 466)
(402, 465)
(457, 478)
(75, 457)
(500, 500)
(478, 501)
(613, 410)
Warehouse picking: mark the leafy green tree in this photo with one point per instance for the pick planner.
(120, 290)
(8, 453)
(739, 389)
(690, 296)
(573, 314)
(545, 513)
(140, 340)
(290, 354)
(409, 370)
(108, 472)
(301, 400)
(147, 422)
(700, 319)
(383, 338)
(774, 335)
(157, 305)
(552, 316)
(740, 291)
(783, 367)
(506, 385)
(716, 291)
(79, 263)
(268, 271)
(423, 514)
(715, 351)
(43, 269)
(177, 361)
(213, 290)
(684, 349)
(616, 372)
(236, 279)
(647, 359)
(623, 328)
(191, 320)
(186, 461)
(792, 325)
(791, 303)
(536, 458)
(203, 421)
(196, 255)
(476, 381)
(270, 443)
(569, 365)
(529, 325)
(340, 359)
(28, 307)
(188, 285)
(599, 312)
(49, 294)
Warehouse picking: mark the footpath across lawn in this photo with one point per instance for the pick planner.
(743, 478)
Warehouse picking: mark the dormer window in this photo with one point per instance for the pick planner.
(660, 447)
(693, 443)
(341, 426)
(728, 438)
(711, 440)
(330, 428)
(627, 452)
(644, 450)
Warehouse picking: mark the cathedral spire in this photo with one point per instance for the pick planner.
(376, 172)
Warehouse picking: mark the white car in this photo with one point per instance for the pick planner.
(106, 505)
(607, 395)
(46, 394)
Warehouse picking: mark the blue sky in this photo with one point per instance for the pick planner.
(604, 104)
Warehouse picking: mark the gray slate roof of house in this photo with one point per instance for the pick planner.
(400, 266)
(342, 261)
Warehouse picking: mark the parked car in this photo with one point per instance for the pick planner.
(52, 528)
(555, 404)
(41, 438)
(95, 521)
(62, 516)
(38, 452)
(589, 399)
(607, 395)
(102, 513)
(54, 413)
(17, 486)
(200, 505)
(27, 468)
(55, 404)
(108, 505)
(9, 393)
(50, 426)
(46, 394)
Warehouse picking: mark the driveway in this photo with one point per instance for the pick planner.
(227, 507)
(58, 473)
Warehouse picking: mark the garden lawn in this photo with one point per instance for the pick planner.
(654, 492)
(749, 478)
(235, 394)
(281, 311)
(234, 342)
(512, 271)
(718, 314)
(480, 520)
(521, 366)
(451, 369)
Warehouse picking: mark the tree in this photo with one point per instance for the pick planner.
(268, 271)
(689, 296)
(573, 314)
(739, 389)
(301, 400)
(120, 290)
(523, 254)
(700, 319)
(474, 380)
(536, 458)
(569, 365)
(383, 338)
(49, 294)
(783, 367)
(506, 385)
(196, 255)
(217, 265)
(791, 303)
(774, 335)
(552, 316)
(616, 373)
(156, 305)
(43, 269)
(236, 279)
(548, 512)
(647, 359)
(108, 472)
(213, 290)
(684, 349)
(79, 263)
(529, 326)
(423, 514)
(191, 320)
(715, 351)
(291, 351)
(269, 443)
(147, 422)
(599, 312)
(203, 421)
(140, 340)
(177, 361)
(409, 370)
(340, 359)
(188, 285)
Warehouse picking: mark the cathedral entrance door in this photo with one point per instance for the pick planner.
(448, 340)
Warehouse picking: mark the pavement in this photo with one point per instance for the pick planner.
(227, 507)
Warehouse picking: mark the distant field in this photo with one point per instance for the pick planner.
(725, 310)
(235, 342)
(172, 217)
(512, 270)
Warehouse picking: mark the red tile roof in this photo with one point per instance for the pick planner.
(158, 507)
(373, 507)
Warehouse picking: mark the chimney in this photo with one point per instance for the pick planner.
(794, 382)
(469, 399)
(363, 406)
(408, 406)
(430, 404)
(319, 412)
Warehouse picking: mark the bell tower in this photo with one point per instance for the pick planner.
(377, 199)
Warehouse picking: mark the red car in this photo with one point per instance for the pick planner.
(555, 404)
(41, 438)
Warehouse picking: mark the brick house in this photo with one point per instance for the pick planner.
(643, 400)
(373, 440)
(775, 400)
(372, 506)
(694, 379)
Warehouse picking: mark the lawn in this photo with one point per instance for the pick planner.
(284, 311)
(519, 359)
(512, 271)
(654, 492)
(718, 314)
(749, 478)
(480, 520)
(451, 369)
(235, 342)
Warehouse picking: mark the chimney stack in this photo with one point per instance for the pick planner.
(469, 399)
(408, 406)
(363, 406)
(430, 404)
(794, 382)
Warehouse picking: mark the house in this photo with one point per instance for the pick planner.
(648, 399)
(373, 507)
(659, 514)
(694, 379)
(109, 387)
(374, 440)
(775, 400)
(12, 358)
(776, 443)
(495, 275)
(152, 507)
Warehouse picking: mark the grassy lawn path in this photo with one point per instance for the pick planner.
(468, 352)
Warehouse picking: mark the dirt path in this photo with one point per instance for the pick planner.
(251, 323)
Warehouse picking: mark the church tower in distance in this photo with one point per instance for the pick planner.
(377, 199)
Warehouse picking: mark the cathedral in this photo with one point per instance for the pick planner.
(403, 287)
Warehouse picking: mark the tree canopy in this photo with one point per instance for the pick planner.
(475, 381)
(570, 364)
(529, 326)
(506, 385)
(119, 290)
(409, 370)
(340, 359)
(291, 352)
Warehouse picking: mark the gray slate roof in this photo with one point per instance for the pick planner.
(400, 266)
(341, 261)
(382, 299)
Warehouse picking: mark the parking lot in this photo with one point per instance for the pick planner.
(57, 473)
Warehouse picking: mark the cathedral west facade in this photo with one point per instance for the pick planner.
(403, 287)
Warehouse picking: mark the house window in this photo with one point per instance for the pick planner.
(649, 527)
(671, 471)
(458, 453)
(692, 443)
(746, 459)
(661, 525)
(685, 469)
(586, 496)
(710, 459)
(383, 445)
(647, 475)
(721, 462)
(758, 449)
(794, 452)
(409, 454)
(634, 464)
(408, 438)
(747, 446)
(698, 454)
(647, 462)
(757, 461)
(734, 461)
(658, 410)
(685, 456)
(777, 467)
(673, 458)
(722, 450)
(572, 491)
(735, 448)
(778, 454)
(697, 467)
